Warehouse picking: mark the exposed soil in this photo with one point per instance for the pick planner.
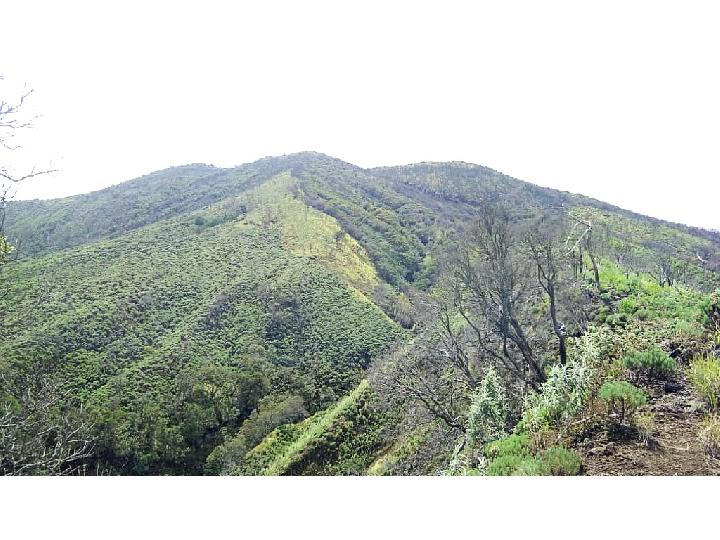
(674, 449)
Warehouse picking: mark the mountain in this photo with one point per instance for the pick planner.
(206, 320)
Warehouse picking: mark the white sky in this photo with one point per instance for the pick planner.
(618, 100)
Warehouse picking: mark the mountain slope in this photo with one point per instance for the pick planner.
(223, 320)
(392, 211)
(41, 226)
(146, 321)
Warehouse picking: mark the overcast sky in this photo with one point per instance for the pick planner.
(619, 101)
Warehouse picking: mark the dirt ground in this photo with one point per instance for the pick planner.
(674, 449)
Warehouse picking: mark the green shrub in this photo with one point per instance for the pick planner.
(654, 362)
(704, 374)
(628, 305)
(488, 410)
(618, 319)
(622, 398)
(513, 465)
(513, 445)
(710, 307)
(603, 313)
(512, 457)
(710, 435)
(563, 394)
(503, 466)
(530, 467)
(559, 461)
(5, 248)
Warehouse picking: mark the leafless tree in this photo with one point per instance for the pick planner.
(568, 301)
(13, 121)
(550, 259)
(414, 374)
(493, 293)
(581, 237)
(39, 434)
(498, 275)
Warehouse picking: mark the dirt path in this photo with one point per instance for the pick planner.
(675, 450)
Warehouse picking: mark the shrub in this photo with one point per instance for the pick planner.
(514, 445)
(704, 374)
(511, 457)
(646, 426)
(459, 463)
(488, 410)
(5, 248)
(559, 461)
(513, 465)
(710, 435)
(563, 395)
(654, 362)
(711, 312)
(617, 319)
(628, 305)
(622, 398)
(530, 467)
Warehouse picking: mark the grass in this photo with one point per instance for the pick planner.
(710, 435)
(307, 432)
(398, 452)
(649, 309)
(704, 374)
(307, 232)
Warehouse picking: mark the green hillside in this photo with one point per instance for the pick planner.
(150, 331)
(301, 315)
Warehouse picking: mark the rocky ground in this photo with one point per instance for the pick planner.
(673, 450)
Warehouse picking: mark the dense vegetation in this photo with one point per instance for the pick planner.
(300, 315)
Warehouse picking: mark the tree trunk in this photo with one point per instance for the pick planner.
(596, 272)
(521, 341)
(556, 326)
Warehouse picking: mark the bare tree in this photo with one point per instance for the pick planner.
(667, 263)
(493, 294)
(414, 374)
(434, 372)
(39, 433)
(568, 300)
(579, 237)
(497, 277)
(13, 121)
(550, 258)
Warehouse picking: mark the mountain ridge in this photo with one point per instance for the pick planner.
(31, 224)
(376, 169)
